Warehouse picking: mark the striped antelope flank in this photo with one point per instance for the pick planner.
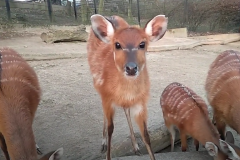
(222, 88)
(184, 109)
(117, 60)
(19, 98)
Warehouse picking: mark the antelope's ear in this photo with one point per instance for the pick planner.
(57, 154)
(102, 28)
(226, 148)
(156, 27)
(117, 22)
(211, 148)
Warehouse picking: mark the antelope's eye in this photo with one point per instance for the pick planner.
(142, 45)
(117, 45)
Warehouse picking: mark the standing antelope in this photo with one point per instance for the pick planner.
(184, 109)
(19, 98)
(223, 90)
(117, 60)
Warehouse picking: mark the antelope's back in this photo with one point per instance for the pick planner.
(179, 103)
(223, 77)
(18, 81)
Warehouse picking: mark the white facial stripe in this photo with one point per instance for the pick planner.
(142, 67)
(125, 49)
(129, 50)
(114, 56)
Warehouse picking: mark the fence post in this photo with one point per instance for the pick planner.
(138, 13)
(75, 10)
(49, 9)
(164, 7)
(95, 6)
(8, 9)
(186, 13)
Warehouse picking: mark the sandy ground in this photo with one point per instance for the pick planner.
(70, 113)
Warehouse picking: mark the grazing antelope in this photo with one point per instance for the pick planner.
(184, 109)
(117, 60)
(19, 98)
(223, 90)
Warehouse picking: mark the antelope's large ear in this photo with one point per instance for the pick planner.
(211, 148)
(102, 28)
(117, 22)
(227, 149)
(57, 154)
(156, 27)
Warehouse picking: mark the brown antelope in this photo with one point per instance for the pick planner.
(184, 109)
(222, 88)
(117, 60)
(19, 98)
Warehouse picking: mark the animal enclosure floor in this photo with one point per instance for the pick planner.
(70, 112)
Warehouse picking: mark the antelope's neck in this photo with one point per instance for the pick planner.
(208, 132)
(129, 91)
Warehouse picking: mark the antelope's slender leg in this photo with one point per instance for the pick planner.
(133, 139)
(141, 120)
(196, 143)
(38, 150)
(109, 114)
(221, 125)
(104, 138)
(172, 134)
(183, 141)
(4, 147)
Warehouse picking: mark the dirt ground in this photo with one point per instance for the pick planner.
(70, 113)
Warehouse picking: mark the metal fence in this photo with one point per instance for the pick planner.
(197, 15)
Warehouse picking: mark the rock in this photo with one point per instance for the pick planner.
(160, 139)
(159, 136)
(54, 36)
(200, 155)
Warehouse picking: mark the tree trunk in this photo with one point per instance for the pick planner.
(130, 16)
(84, 11)
(100, 6)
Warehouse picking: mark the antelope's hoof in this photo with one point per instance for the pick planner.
(138, 152)
(39, 152)
(214, 122)
(104, 148)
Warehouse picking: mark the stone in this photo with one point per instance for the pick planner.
(54, 36)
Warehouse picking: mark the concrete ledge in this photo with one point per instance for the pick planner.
(176, 33)
(42, 57)
(202, 155)
(191, 42)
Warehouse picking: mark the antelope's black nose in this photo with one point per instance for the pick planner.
(131, 68)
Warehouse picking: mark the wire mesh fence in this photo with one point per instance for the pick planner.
(197, 15)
